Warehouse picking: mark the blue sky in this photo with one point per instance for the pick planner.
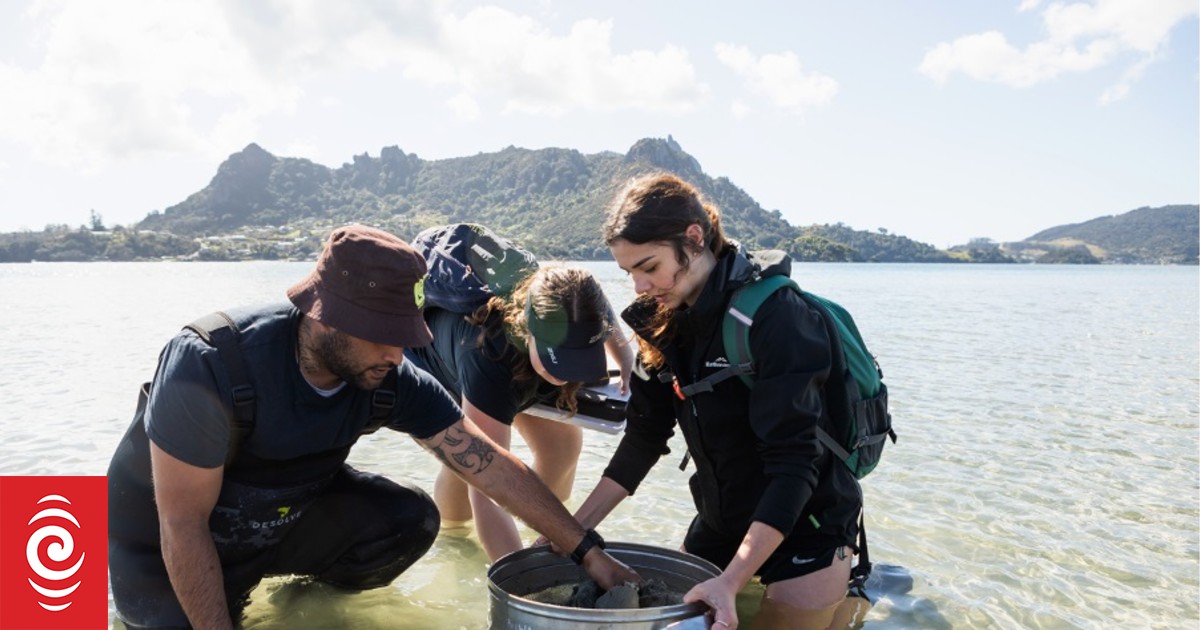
(941, 120)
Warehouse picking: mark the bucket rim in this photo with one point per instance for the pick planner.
(623, 551)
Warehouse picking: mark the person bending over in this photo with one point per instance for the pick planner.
(771, 500)
(200, 512)
(542, 342)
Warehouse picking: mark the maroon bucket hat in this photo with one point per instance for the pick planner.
(368, 284)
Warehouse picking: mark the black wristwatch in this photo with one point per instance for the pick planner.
(590, 539)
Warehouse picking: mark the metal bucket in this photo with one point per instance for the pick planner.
(532, 570)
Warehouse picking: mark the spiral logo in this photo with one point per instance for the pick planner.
(52, 541)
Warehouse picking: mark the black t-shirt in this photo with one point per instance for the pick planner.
(300, 437)
(187, 418)
(482, 375)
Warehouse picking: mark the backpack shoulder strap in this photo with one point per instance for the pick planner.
(219, 331)
(735, 329)
(735, 332)
(383, 401)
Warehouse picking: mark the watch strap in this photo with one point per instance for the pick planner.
(590, 539)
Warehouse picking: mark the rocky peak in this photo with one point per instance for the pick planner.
(665, 154)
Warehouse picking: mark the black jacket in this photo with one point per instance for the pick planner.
(756, 452)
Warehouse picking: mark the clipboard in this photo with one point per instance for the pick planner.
(601, 407)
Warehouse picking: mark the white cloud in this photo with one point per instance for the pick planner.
(779, 78)
(1028, 5)
(464, 107)
(490, 51)
(1079, 37)
(740, 109)
(1121, 89)
(117, 80)
(126, 79)
(989, 57)
(305, 148)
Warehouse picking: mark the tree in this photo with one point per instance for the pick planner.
(97, 222)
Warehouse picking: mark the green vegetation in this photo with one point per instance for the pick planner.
(861, 246)
(1165, 235)
(259, 206)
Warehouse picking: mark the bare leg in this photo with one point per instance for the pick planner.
(496, 528)
(555, 447)
(450, 494)
(807, 602)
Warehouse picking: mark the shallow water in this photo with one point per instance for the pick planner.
(1047, 474)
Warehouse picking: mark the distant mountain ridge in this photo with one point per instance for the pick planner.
(1168, 234)
(552, 201)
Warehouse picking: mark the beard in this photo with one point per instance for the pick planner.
(334, 351)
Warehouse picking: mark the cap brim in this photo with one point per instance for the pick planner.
(390, 329)
(574, 365)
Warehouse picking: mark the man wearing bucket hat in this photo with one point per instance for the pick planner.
(207, 498)
(540, 342)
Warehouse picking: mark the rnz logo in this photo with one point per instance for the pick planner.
(54, 550)
(54, 586)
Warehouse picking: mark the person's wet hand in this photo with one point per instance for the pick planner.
(607, 571)
(720, 598)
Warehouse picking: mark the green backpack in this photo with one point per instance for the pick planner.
(859, 403)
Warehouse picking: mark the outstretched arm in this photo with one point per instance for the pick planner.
(603, 499)
(606, 496)
(512, 484)
(185, 495)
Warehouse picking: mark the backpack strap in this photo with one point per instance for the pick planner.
(862, 570)
(706, 384)
(219, 331)
(735, 331)
(383, 401)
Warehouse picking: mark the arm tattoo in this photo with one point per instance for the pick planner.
(476, 457)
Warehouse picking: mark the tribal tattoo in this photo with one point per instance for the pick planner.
(474, 458)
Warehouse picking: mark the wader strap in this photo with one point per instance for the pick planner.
(862, 570)
(219, 331)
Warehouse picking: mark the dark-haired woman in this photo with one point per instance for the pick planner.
(544, 341)
(772, 502)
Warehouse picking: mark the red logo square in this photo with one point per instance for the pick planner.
(54, 553)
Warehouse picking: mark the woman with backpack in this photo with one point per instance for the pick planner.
(772, 502)
(540, 342)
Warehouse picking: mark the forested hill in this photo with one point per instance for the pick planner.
(550, 200)
(1168, 234)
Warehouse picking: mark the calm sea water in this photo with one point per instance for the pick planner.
(1046, 474)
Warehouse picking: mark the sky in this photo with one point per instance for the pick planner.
(940, 120)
